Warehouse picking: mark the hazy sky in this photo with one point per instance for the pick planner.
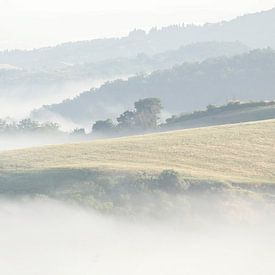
(35, 23)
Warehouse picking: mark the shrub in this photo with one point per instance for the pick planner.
(169, 181)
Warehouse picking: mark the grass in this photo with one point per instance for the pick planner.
(235, 153)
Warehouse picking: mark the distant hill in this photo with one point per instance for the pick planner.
(143, 63)
(185, 88)
(23, 90)
(112, 68)
(255, 30)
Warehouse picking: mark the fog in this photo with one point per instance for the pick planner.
(47, 237)
(82, 218)
(18, 101)
(11, 142)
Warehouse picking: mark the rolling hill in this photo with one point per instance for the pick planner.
(242, 153)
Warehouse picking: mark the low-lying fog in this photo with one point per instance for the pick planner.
(26, 141)
(50, 238)
(17, 102)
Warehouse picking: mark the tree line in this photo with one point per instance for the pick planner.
(27, 126)
(144, 117)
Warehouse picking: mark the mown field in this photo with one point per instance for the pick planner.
(243, 153)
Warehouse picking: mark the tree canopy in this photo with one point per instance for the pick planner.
(144, 117)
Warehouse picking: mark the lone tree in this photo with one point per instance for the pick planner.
(103, 126)
(147, 113)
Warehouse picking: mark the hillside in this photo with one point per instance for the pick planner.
(234, 153)
(108, 69)
(185, 88)
(25, 89)
(233, 112)
(247, 29)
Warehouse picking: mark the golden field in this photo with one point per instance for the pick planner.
(237, 153)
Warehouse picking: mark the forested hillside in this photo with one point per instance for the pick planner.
(185, 88)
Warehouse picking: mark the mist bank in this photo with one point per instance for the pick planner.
(20, 141)
(20, 95)
(91, 222)
(49, 237)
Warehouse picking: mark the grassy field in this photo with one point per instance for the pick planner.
(235, 153)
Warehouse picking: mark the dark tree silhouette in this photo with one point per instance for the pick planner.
(126, 120)
(103, 126)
